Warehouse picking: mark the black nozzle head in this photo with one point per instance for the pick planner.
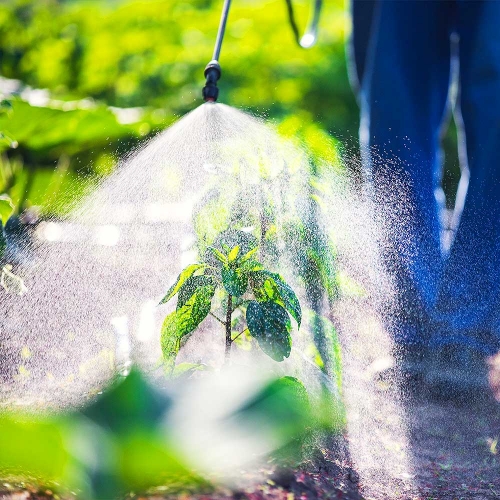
(212, 74)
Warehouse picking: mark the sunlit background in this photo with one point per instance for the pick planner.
(93, 78)
(87, 82)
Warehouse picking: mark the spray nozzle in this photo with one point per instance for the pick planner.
(212, 74)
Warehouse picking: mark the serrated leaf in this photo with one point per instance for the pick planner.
(181, 279)
(235, 281)
(269, 324)
(233, 254)
(6, 208)
(271, 286)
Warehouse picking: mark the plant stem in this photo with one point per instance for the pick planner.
(217, 318)
(228, 325)
(245, 330)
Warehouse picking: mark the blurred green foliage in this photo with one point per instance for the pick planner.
(136, 53)
(149, 56)
(123, 441)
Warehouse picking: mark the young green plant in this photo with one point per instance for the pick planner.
(231, 273)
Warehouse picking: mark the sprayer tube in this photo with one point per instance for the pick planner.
(212, 70)
(222, 29)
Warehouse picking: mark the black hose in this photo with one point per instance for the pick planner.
(311, 34)
(213, 69)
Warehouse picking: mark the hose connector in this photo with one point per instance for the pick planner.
(212, 74)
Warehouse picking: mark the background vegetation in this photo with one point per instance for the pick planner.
(90, 79)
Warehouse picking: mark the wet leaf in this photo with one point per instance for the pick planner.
(235, 281)
(233, 254)
(247, 256)
(272, 286)
(183, 321)
(269, 324)
(218, 255)
(195, 310)
(170, 341)
(191, 285)
(181, 279)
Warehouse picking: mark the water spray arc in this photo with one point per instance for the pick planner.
(213, 70)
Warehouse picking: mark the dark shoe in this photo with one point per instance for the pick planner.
(456, 371)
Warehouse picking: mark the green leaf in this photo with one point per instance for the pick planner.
(183, 321)
(5, 106)
(218, 255)
(233, 254)
(181, 279)
(170, 341)
(271, 286)
(229, 239)
(6, 208)
(32, 447)
(191, 285)
(186, 369)
(235, 281)
(283, 407)
(236, 237)
(194, 311)
(247, 256)
(269, 324)
(127, 404)
(146, 459)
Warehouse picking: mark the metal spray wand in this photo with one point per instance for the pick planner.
(213, 70)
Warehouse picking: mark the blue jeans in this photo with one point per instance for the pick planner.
(403, 59)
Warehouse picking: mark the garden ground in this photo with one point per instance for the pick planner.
(453, 452)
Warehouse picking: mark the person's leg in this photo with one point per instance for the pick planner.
(469, 296)
(362, 13)
(403, 95)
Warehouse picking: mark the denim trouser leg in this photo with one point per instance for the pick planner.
(468, 305)
(404, 89)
